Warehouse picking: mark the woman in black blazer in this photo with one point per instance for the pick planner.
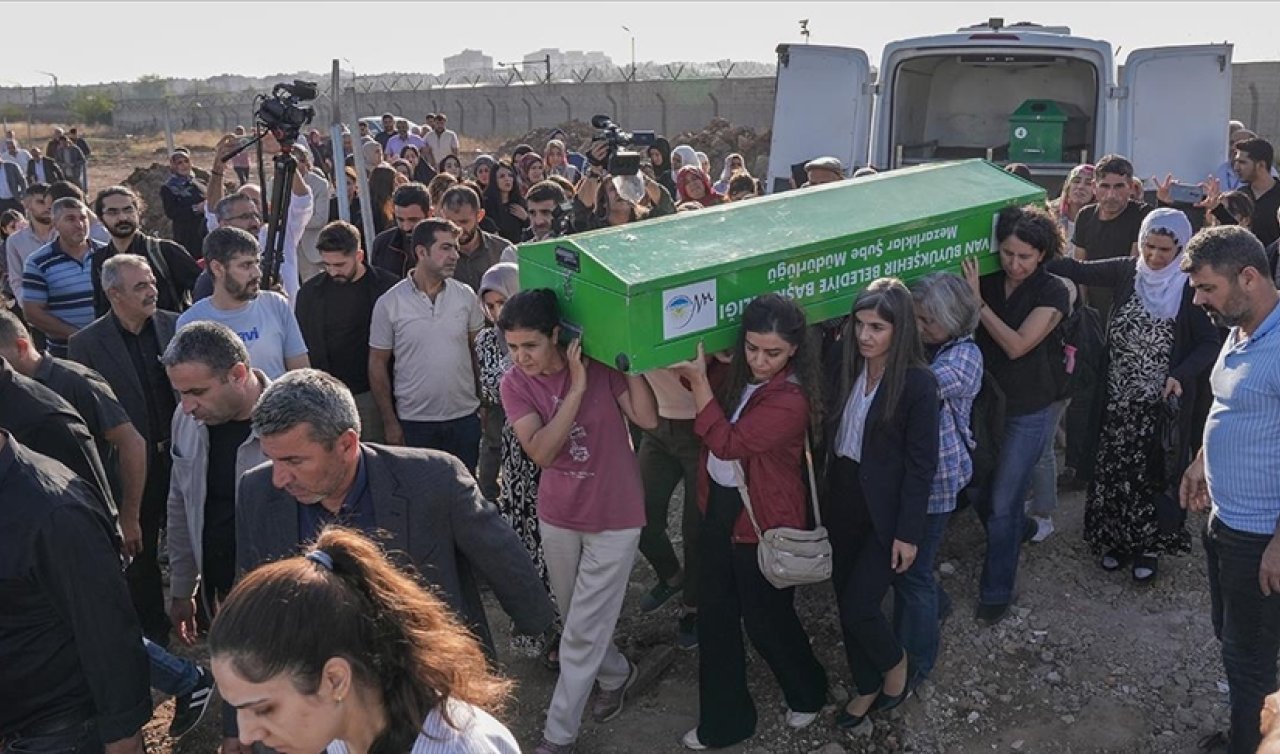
(881, 462)
(1158, 345)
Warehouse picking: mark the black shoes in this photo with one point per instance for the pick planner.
(189, 709)
(992, 614)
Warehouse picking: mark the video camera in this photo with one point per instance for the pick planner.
(283, 114)
(619, 160)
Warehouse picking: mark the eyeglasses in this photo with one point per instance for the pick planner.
(245, 216)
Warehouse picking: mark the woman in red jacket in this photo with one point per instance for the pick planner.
(753, 414)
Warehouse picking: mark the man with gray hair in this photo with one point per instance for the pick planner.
(425, 502)
(57, 280)
(124, 346)
(262, 319)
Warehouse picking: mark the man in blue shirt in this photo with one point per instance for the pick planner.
(57, 280)
(1234, 473)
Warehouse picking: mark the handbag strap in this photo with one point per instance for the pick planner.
(813, 482)
(813, 489)
(746, 497)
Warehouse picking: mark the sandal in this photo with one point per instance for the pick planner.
(1145, 567)
(1113, 560)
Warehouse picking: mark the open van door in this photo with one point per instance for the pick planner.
(1174, 106)
(822, 107)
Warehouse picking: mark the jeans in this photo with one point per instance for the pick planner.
(1246, 622)
(1001, 508)
(918, 599)
(460, 436)
(76, 739)
(735, 595)
(1044, 477)
(175, 676)
(668, 456)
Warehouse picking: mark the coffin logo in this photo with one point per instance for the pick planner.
(688, 309)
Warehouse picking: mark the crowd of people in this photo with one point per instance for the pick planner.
(393, 424)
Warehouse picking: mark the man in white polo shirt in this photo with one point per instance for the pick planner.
(428, 322)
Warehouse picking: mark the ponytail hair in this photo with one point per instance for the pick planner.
(346, 599)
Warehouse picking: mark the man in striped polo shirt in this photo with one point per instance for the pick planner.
(1234, 474)
(57, 281)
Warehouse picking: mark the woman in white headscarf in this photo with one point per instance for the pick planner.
(683, 156)
(1158, 345)
(733, 164)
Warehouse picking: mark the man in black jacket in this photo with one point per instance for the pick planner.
(73, 671)
(391, 250)
(183, 201)
(334, 310)
(120, 210)
(42, 169)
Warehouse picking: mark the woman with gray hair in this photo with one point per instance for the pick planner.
(947, 315)
(1159, 343)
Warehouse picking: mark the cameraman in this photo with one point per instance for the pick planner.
(301, 207)
(598, 205)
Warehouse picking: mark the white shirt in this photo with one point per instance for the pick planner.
(854, 422)
(20, 158)
(442, 144)
(477, 733)
(723, 472)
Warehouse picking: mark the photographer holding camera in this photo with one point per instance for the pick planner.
(613, 172)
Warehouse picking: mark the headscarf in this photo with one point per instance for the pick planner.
(1161, 290)
(727, 171)
(704, 162)
(664, 148)
(484, 159)
(526, 161)
(503, 277)
(687, 157)
(709, 199)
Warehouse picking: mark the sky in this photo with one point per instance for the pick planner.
(691, 31)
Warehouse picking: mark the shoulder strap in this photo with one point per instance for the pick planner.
(813, 488)
(746, 497)
(813, 481)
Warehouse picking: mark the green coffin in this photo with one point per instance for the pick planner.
(643, 295)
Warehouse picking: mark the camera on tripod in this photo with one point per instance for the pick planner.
(619, 160)
(283, 114)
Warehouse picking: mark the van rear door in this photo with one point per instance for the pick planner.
(822, 107)
(1174, 106)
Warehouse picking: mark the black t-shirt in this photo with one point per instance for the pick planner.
(1264, 223)
(1107, 239)
(219, 536)
(348, 309)
(1028, 381)
(144, 352)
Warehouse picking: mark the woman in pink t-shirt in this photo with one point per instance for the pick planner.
(569, 413)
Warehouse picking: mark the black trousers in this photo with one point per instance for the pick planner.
(862, 573)
(733, 594)
(143, 574)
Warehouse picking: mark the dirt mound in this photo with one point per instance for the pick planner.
(721, 138)
(576, 135)
(147, 182)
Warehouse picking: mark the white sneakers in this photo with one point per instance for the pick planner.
(800, 720)
(691, 741)
(795, 721)
(1044, 527)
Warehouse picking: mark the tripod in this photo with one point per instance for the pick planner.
(286, 167)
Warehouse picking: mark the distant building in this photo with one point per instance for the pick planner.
(567, 59)
(468, 61)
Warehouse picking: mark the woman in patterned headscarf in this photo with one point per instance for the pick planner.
(1158, 345)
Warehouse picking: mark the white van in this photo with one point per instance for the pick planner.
(952, 96)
